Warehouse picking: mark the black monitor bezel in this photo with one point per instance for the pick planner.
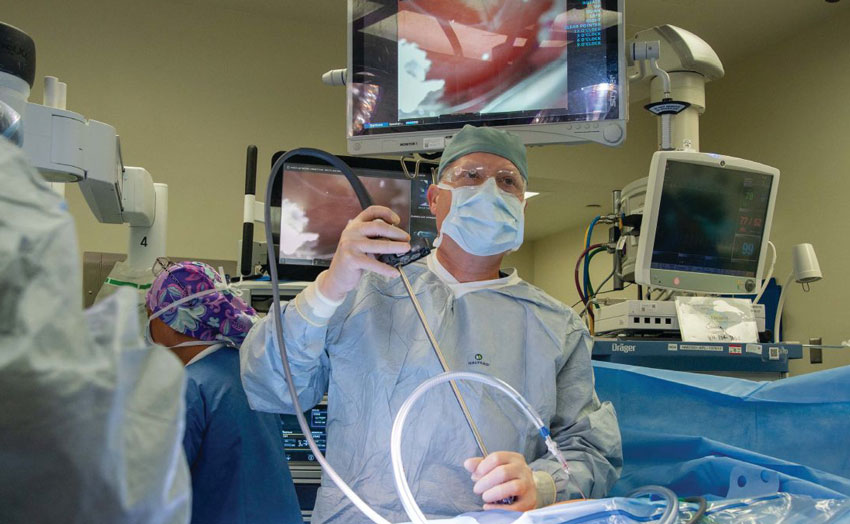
(615, 67)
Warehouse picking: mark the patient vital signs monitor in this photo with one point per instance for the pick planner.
(706, 223)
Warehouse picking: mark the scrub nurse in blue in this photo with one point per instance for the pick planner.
(235, 454)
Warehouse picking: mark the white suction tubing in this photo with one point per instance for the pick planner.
(410, 507)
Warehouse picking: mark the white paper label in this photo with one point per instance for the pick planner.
(773, 353)
(735, 350)
(754, 348)
(436, 142)
(697, 347)
(672, 347)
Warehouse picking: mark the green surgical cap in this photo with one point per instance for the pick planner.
(473, 139)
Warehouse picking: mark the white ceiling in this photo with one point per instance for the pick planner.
(734, 28)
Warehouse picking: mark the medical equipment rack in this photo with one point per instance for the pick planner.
(698, 356)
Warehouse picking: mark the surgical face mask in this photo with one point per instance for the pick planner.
(483, 219)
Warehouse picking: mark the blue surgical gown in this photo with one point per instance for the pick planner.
(236, 455)
(373, 353)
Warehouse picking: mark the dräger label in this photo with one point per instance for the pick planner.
(623, 348)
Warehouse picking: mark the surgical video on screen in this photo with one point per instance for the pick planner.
(317, 203)
(711, 220)
(426, 64)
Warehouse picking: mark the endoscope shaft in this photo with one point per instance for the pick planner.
(443, 362)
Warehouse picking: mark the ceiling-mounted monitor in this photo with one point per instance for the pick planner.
(551, 71)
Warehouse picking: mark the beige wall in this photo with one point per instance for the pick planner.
(523, 261)
(189, 87)
(189, 84)
(786, 107)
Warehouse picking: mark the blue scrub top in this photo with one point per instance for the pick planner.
(236, 455)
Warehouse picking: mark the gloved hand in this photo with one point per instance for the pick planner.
(372, 232)
(501, 475)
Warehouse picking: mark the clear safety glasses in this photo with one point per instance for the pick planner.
(507, 180)
(161, 264)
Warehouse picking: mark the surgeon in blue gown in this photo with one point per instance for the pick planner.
(236, 455)
(354, 333)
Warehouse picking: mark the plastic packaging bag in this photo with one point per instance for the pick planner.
(779, 507)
